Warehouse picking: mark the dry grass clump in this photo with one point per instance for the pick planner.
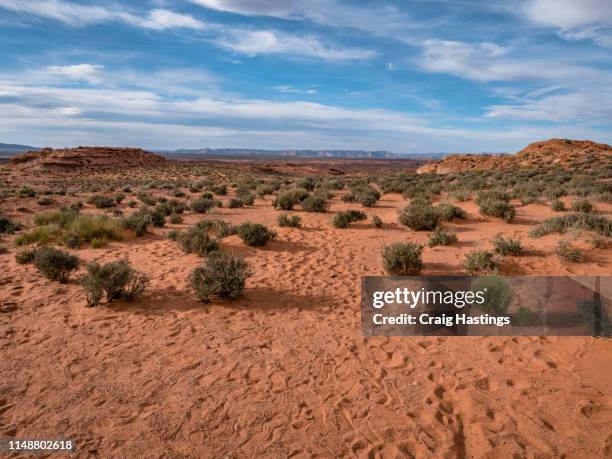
(403, 259)
(575, 221)
(7, 226)
(582, 205)
(557, 205)
(480, 261)
(286, 220)
(507, 246)
(112, 281)
(222, 275)
(442, 237)
(566, 251)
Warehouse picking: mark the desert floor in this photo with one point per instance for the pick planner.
(284, 371)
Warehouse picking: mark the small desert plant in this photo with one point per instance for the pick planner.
(285, 201)
(497, 294)
(497, 208)
(112, 280)
(138, 222)
(26, 192)
(55, 264)
(220, 190)
(255, 234)
(100, 201)
(247, 198)
(132, 203)
(158, 217)
(582, 205)
(26, 256)
(222, 275)
(507, 246)
(202, 205)
(574, 221)
(448, 212)
(403, 259)
(119, 197)
(568, 252)
(293, 221)
(344, 219)
(480, 261)
(176, 219)
(420, 215)
(45, 201)
(196, 240)
(235, 203)
(557, 205)
(220, 227)
(7, 226)
(441, 237)
(377, 221)
(315, 204)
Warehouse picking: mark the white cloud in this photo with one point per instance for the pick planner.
(79, 15)
(490, 62)
(83, 72)
(294, 90)
(254, 42)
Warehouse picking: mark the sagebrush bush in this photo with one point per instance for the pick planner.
(582, 205)
(112, 281)
(498, 296)
(100, 201)
(557, 205)
(7, 226)
(55, 264)
(25, 256)
(480, 261)
(577, 221)
(497, 208)
(285, 201)
(138, 222)
(568, 252)
(376, 221)
(176, 219)
(315, 204)
(449, 212)
(220, 190)
(222, 275)
(344, 219)
(403, 259)
(235, 203)
(220, 227)
(285, 220)
(441, 237)
(196, 240)
(507, 246)
(255, 234)
(420, 215)
(158, 217)
(202, 205)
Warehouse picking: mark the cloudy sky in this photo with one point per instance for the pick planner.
(400, 75)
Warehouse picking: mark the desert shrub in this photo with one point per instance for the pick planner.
(132, 203)
(112, 281)
(441, 237)
(255, 234)
(376, 221)
(196, 240)
(25, 256)
(146, 199)
(315, 204)
(568, 252)
(220, 190)
(176, 219)
(480, 261)
(158, 217)
(498, 296)
(222, 275)
(448, 212)
(363, 194)
(98, 243)
(45, 201)
(498, 208)
(138, 222)
(202, 205)
(41, 235)
(492, 195)
(344, 219)
(55, 264)
(582, 205)
(207, 195)
(119, 197)
(178, 193)
(220, 227)
(235, 203)
(308, 183)
(264, 189)
(285, 201)
(507, 246)
(420, 215)
(557, 205)
(461, 195)
(293, 221)
(7, 226)
(100, 201)
(247, 198)
(403, 259)
(26, 192)
(599, 243)
(577, 221)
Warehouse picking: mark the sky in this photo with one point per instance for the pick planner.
(407, 76)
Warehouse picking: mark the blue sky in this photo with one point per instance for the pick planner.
(399, 75)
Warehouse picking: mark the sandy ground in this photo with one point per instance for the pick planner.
(284, 371)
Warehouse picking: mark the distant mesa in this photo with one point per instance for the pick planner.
(74, 159)
(562, 152)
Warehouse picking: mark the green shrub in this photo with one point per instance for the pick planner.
(293, 221)
(507, 246)
(202, 205)
(55, 264)
(377, 221)
(26, 256)
(26, 192)
(98, 243)
(247, 198)
(222, 275)
(557, 205)
(196, 240)
(176, 219)
(112, 281)
(235, 203)
(480, 261)
(315, 204)
(138, 222)
(403, 259)
(344, 219)
(582, 205)
(449, 212)
(255, 234)
(220, 227)
(498, 208)
(131, 203)
(578, 221)
(146, 199)
(567, 252)
(41, 235)
(285, 201)
(441, 237)
(119, 197)
(7, 226)
(158, 217)
(100, 201)
(498, 294)
(45, 202)
(220, 190)
(420, 215)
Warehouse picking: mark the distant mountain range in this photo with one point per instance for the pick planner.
(250, 152)
(9, 149)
